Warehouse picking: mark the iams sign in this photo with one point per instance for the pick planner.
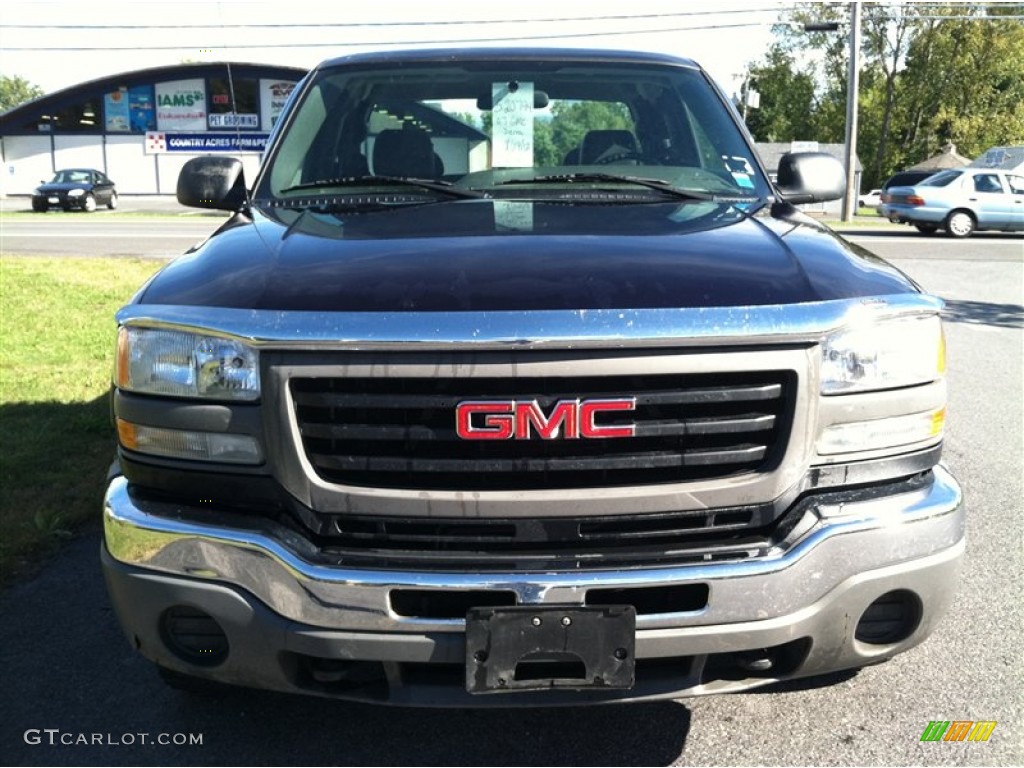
(519, 419)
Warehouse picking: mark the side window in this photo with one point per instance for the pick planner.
(987, 182)
(941, 179)
(1016, 184)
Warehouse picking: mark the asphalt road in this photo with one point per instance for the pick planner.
(106, 233)
(65, 665)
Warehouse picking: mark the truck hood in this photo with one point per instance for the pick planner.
(487, 255)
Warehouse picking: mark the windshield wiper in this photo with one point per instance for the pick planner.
(642, 181)
(442, 187)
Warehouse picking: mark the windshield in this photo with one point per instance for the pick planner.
(508, 128)
(70, 177)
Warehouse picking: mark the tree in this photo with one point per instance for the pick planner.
(16, 90)
(887, 35)
(931, 74)
(571, 120)
(964, 83)
(787, 99)
(887, 29)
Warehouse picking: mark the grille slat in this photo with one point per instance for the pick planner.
(566, 464)
(404, 401)
(754, 423)
(533, 559)
(400, 432)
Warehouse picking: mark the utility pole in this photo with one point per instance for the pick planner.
(746, 95)
(852, 88)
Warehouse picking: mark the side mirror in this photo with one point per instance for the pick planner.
(810, 177)
(212, 182)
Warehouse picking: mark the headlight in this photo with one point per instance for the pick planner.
(76, 193)
(183, 364)
(888, 354)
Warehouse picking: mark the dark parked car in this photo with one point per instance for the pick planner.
(82, 188)
(901, 179)
(906, 178)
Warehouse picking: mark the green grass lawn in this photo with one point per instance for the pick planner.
(57, 334)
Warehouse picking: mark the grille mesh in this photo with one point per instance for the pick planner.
(536, 544)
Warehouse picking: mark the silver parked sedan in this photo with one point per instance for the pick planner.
(961, 201)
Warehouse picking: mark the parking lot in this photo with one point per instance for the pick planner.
(69, 668)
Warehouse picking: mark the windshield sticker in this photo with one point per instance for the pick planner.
(743, 180)
(512, 120)
(515, 215)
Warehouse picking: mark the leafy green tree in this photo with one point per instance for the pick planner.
(557, 133)
(925, 80)
(16, 90)
(888, 32)
(570, 121)
(887, 29)
(787, 99)
(964, 83)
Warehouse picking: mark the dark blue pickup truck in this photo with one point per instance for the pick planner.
(513, 379)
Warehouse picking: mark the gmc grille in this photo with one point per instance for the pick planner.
(401, 432)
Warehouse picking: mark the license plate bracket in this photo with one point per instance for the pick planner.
(527, 648)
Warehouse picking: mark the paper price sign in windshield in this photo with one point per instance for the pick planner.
(512, 121)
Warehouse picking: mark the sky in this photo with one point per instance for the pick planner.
(56, 44)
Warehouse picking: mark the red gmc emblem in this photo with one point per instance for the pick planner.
(518, 420)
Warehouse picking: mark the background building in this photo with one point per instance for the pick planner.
(141, 127)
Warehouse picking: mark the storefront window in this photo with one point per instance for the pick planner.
(244, 113)
(84, 117)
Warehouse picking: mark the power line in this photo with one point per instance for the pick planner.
(393, 24)
(364, 43)
(459, 22)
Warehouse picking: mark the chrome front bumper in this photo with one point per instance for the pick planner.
(271, 600)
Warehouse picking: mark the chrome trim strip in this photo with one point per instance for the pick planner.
(358, 599)
(599, 328)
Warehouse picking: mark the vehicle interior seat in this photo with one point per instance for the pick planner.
(607, 145)
(986, 184)
(406, 152)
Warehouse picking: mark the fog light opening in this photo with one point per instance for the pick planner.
(777, 662)
(194, 636)
(891, 618)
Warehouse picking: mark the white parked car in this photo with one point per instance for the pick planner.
(871, 200)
